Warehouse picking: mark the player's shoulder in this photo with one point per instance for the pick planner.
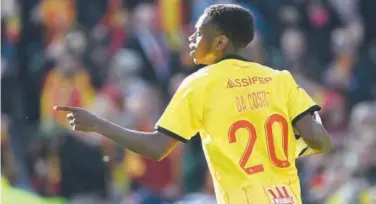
(286, 74)
(272, 72)
(281, 78)
(196, 79)
(283, 75)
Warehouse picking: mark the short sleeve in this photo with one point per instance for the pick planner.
(299, 103)
(180, 119)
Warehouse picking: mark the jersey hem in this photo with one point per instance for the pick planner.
(171, 134)
(310, 110)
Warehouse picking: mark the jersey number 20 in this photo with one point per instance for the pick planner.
(275, 118)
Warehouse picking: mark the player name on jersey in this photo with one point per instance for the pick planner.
(252, 101)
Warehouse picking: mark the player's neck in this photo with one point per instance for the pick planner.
(232, 55)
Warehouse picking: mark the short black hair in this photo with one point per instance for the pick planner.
(234, 21)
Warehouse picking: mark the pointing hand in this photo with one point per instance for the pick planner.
(80, 119)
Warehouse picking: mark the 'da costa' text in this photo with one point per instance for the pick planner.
(252, 101)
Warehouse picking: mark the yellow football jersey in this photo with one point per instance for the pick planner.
(244, 113)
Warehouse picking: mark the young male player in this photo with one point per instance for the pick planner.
(245, 113)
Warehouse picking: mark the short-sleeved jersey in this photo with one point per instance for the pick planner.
(245, 114)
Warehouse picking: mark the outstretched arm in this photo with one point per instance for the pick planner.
(180, 122)
(154, 145)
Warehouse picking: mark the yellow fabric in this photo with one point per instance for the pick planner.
(242, 111)
(183, 115)
(134, 165)
(366, 197)
(170, 14)
(11, 195)
(302, 147)
(170, 11)
(336, 199)
(298, 100)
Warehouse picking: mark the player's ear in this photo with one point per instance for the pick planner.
(221, 42)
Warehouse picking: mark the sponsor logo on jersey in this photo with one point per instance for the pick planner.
(280, 195)
(248, 81)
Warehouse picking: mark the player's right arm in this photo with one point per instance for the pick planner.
(153, 145)
(303, 114)
(179, 122)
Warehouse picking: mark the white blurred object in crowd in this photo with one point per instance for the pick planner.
(76, 42)
(144, 16)
(54, 50)
(341, 41)
(123, 73)
(143, 102)
(363, 118)
(355, 31)
(293, 44)
(175, 82)
(347, 9)
(289, 15)
(9, 8)
(197, 198)
(126, 62)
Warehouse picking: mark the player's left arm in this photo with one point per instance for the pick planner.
(303, 113)
(314, 133)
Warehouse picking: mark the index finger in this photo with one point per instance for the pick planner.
(66, 108)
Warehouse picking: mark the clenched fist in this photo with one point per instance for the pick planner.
(80, 119)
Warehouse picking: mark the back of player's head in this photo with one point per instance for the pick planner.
(234, 21)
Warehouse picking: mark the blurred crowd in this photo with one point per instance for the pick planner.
(123, 60)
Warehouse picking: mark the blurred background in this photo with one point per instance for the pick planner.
(123, 60)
